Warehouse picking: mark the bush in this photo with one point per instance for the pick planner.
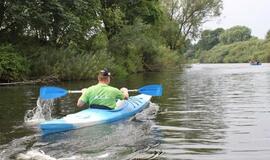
(82, 66)
(168, 59)
(13, 66)
(70, 64)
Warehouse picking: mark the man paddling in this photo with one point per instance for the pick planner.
(102, 95)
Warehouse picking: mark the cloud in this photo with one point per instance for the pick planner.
(250, 13)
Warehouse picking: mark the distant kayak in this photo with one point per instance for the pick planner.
(90, 117)
(255, 63)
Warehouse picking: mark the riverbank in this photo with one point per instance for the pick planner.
(71, 63)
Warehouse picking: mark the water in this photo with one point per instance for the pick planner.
(208, 111)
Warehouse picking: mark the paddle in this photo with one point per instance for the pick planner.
(153, 90)
(56, 92)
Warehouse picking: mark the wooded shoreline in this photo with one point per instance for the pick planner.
(74, 39)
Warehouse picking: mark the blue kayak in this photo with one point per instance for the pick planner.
(90, 117)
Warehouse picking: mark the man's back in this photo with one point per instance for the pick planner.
(103, 95)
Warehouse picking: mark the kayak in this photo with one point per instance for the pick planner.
(93, 116)
(255, 63)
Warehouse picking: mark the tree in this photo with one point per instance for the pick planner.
(53, 21)
(267, 37)
(190, 15)
(13, 66)
(209, 38)
(235, 34)
(115, 14)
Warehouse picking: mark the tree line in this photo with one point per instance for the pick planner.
(73, 39)
(233, 45)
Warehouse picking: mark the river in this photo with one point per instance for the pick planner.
(207, 112)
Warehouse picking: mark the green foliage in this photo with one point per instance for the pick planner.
(132, 47)
(267, 37)
(236, 46)
(238, 52)
(56, 22)
(149, 11)
(75, 38)
(235, 34)
(137, 48)
(98, 42)
(169, 32)
(113, 19)
(116, 14)
(168, 59)
(209, 38)
(190, 15)
(83, 66)
(69, 63)
(13, 66)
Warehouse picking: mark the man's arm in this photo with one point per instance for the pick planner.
(80, 102)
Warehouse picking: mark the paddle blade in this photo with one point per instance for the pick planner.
(52, 92)
(153, 90)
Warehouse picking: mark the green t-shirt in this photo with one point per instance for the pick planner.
(102, 94)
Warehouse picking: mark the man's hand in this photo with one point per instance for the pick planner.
(80, 103)
(125, 92)
(84, 90)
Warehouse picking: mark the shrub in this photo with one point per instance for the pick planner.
(13, 66)
(168, 59)
(70, 64)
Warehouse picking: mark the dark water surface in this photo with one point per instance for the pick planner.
(208, 111)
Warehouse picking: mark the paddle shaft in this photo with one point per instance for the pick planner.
(75, 91)
(133, 90)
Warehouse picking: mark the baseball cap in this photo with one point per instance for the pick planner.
(105, 72)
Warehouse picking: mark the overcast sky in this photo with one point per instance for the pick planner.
(255, 14)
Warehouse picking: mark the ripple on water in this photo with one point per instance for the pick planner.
(227, 105)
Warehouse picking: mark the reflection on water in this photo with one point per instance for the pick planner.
(219, 111)
(209, 111)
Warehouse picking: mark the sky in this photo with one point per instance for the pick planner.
(254, 14)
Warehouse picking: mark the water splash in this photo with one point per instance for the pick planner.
(34, 155)
(40, 113)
